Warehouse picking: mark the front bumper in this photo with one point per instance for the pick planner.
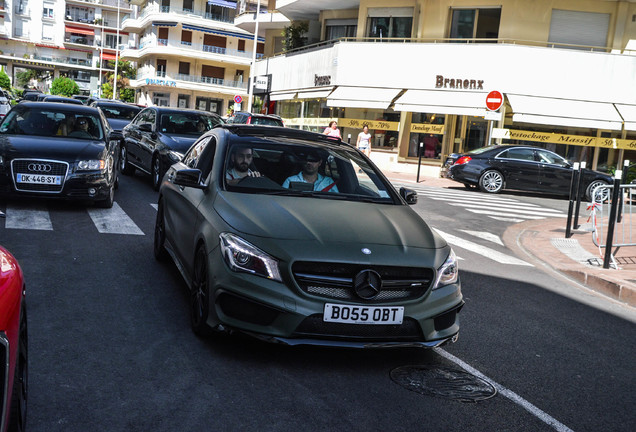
(283, 313)
(92, 186)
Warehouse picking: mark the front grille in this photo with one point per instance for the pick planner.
(335, 280)
(22, 166)
(314, 326)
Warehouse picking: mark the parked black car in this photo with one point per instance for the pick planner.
(61, 99)
(255, 119)
(159, 136)
(498, 167)
(118, 114)
(58, 150)
(318, 249)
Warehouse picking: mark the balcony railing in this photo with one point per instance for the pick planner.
(194, 79)
(80, 40)
(125, 4)
(185, 12)
(198, 47)
(65, 60)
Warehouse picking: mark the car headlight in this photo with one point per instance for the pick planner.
(175, 156)
(448, 272)
(93, 164)
(243, 257)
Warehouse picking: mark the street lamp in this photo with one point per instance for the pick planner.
(251, 89)
(116, 53)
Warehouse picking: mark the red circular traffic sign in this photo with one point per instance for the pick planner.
(238, 99)
(494, 100)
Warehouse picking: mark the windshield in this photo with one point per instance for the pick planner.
(187, 123)
(297, 169)
(267, 121)
(124, 112)
(52, 122)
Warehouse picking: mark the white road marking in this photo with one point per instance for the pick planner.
(481, 198)
(504, 219)
(538, 212)
(482, 250)
(500, 213)
(155, 206)
(535, 411)
(32, 217)
(113, 221)
(485, 235)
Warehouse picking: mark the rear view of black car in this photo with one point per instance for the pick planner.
(159, 136)
(57, 150)
(498, 167)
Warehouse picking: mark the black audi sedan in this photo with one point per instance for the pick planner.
(118, 114)
(159, 136)
(498, 167)
(297, 238)
(58, 150)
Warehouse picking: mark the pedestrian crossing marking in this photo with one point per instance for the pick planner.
(113, 221)
(512, 210)
(502, 213)
(482, 250)
(485, 235)
(31, 217)
(505, 219)
(154, 206)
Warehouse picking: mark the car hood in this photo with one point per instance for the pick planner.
(325, 220)
(179, 143)
(117, 124)
(16, 146)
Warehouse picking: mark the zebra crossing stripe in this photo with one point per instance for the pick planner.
(482, 250)
(520, 209)
(485, 235)
(503, 219)
(471, 196)
(33, 217)
(502, 213)
(113, 221)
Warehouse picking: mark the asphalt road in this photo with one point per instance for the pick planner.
(110, 346)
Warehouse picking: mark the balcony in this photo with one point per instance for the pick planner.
(203, 51)
(123, 4)
(135, 24)
(80, 40)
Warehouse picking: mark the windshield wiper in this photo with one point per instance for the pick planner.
(313, 194)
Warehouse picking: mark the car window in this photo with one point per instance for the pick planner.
(53, 123)
(124, 112)
(265, 121)
(549, 157)
(303, 170)
(187, 123)
(518, 154)
(201, 155)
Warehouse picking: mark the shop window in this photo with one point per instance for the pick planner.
(340, 28)
(390, 22)
(383, 139)
(161, 99)
(475, 23)
(431, 143)
(183, 101)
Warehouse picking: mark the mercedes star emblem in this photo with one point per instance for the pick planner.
(367, 284)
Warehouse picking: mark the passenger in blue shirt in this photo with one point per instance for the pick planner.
(310, 174)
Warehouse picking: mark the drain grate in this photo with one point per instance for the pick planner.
(442, 381)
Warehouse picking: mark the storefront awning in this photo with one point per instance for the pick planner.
(314, 93)
(564, 112)
(108, 56)
(628, 113)
(442, 102)
(221, 32)
(223, 3)
(80, 30)
(282, 95)
(362, 97)
(164, 24)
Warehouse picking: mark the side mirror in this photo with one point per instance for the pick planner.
(145, 127)
(409, 195)
(189, 178)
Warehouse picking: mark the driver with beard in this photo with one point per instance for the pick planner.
(241, 159)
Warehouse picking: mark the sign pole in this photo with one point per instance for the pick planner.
(250, 91)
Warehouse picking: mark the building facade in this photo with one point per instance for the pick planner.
(418, 72)
(74, 38)
(190, 54)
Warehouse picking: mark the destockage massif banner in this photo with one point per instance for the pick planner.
(554, 138)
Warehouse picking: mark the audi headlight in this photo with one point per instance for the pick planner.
(448, 272)
(242, 256)
(91, 165)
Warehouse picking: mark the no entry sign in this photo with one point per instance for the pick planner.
(238, 99)
(494, 100)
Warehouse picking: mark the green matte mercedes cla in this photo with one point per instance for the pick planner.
(297, 238)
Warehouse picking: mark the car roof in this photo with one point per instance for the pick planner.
(258, 131)
(57, 105)
(164, 110)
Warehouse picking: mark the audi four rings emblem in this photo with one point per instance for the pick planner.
(367, 284)
(39, 167)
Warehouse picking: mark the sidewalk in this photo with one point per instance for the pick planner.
(544, 240)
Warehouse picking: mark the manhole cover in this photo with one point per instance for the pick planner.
(444, 382)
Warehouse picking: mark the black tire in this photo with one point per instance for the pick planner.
(19, 394)
(125, 167)
(492, 181)
(590, 188)
(159, 248)
(200, 294)
(157, 172)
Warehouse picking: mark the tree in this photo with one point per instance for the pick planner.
(125, 71)
(24, 77)
(64, 86)
(293, 35)
(5, 82)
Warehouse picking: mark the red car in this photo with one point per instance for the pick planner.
(13, 345)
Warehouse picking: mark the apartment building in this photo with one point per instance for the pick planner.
(418, 73)
(190, 54)
(74, 38)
